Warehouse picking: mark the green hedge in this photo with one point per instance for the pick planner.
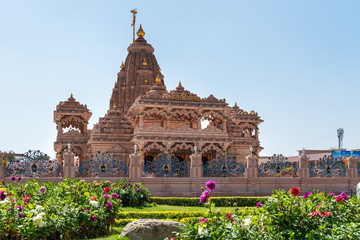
(219, 201)
(186, 221)
(160, 215)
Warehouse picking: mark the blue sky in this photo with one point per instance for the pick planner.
(296, 63)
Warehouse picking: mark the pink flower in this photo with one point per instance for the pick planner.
(203, 220)
(2, 195)
(43, 190)
(108, 205)
(306, 195)
(204, 197)
(92, 218)
(138, 189)
(228, 215)
(211, 185)
(13, 178)
(106, 197)
(19, 178)
(120, 201)
(259, 205)
(86, 209)
(339, 199)
(115, 195)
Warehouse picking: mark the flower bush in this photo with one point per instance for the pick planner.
(72, 209)
(284, 215)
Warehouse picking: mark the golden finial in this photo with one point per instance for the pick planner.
(144, 63)
(140, 32)
(146, 81)
(159, 69)
(134, 12)
(179, 83)
(122, 66)
(115, 85)
(114, 106)
(235, 104)
(158, 80)
(71, 95)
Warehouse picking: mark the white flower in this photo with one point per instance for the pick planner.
(94, 203)
(38, 207)
(39, 220)
(246, 222)
(4, 201)
(201, 230)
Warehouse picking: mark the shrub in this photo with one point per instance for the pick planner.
(283, 216)
(133, 194)
(72, 209)
(219, 201)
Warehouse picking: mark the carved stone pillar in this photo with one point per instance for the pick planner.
(351, 167)
(134, 167)
(251, 161)
(304, 170)
(168, 125)
(69, 166)
(141, 120)
(195, 166)
(224, 124)
(59, 128)
(199, 122)
(2, 172)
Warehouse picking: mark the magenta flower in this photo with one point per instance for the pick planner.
(306, 194)
(129, 184)
(92, 218)
(203, 220)
(3, 182)
(86, 209)
(211, 185)
(9, 209)
(19, 208)
(115, 195)
(120, 201)
(136, 185)
(332, 194)
(204, 198)
(259, 205)
(43, 190)
(2, 195)
(344, 196)
(124, 186)
(108, 205)
(106, 197)
(13, 178)
(19, 178)
(138, 189)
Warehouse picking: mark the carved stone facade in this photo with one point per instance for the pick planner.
(144, 113)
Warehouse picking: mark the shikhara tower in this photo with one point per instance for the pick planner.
(143, 112)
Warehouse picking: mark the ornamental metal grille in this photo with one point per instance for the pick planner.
(33, 164)
(328, 166)
(103, 164)
(166, 165)
(223, 165)
(278, 166)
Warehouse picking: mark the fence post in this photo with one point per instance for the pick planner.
(195, 166)
(251, 161)
(69, 168)
(304, 171)
(2, 170)
(352, 169)
(134, 167)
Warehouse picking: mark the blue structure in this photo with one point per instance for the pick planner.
(166, 165)
(278, 166)
(33, 164)
(328, 166)
(104, 165)
(223, 166)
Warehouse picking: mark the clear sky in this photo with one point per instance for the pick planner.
(296, 63)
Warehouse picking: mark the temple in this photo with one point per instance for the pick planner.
(144, 113)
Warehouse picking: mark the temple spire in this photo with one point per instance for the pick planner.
(140, 32)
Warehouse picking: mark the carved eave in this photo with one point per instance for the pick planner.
(71, 107)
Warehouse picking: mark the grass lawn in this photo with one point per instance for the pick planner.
(163, 208)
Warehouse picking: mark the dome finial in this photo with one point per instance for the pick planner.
(114, 106)
(71, 95)
(122, 66)
(144, 63)
(179, 83)
(140, 32)
(158, 80)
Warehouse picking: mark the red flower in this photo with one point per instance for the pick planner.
(107, 189)
(295, 191)
(339, 199)
(26, 198)
(93, 198)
